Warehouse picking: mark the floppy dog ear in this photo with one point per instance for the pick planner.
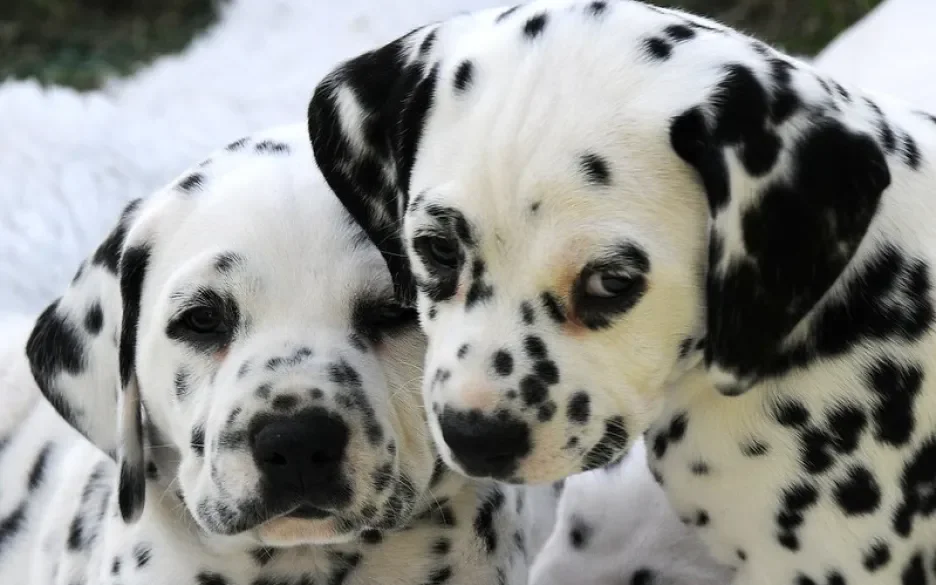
(792, 190)
(82, 352)
(365, 120)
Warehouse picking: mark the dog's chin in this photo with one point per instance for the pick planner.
(288, 531)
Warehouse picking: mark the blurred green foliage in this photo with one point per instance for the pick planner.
(79, 43)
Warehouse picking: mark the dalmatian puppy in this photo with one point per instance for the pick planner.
(614, 526)
(241, 403)
(617, 220)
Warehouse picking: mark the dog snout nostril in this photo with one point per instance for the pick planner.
(485, 445)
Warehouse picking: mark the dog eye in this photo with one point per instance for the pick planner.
(204, 320)
(609, 285)
(442, 251)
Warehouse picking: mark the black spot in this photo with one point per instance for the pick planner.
(596, 8)
(263, 391)
(579, 534)
(914, 573)
(702, 518)
(918, 484)
(428, 42)
(609, 447)
(197, 441)
(285, 402)
(38, 470)
(142, 553)
(658, 48)
(209, 578)
(535, 25)
(846, 423)
(382, 476)
(547, 371)
(579, 408)
(699, 468)
(533, 390)
(94, 318)
(484, 520)
(526, 313)
(795, 501)
(237, 144)
(910, 152)
(754, 448)
(546, 412)
(371, 537)
(439, 576)
(11, 524)
(191, 183)
(181, 383)
(679, 32)
(596, 169)
(271, 147)
(115, 566)
(877, 556)
(535, 347)
(441, 547)
(503, 15)
(643, 577)
(741, 554)
(896, 387)
(858, 493)
(790, 413)
(54, 347)
(463, 76)
(131, 490)
(152, 472)
(462, 351)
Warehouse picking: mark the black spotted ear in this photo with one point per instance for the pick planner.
(82, 352)
(365, 120)
(791, 191)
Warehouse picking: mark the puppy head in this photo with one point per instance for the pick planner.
(260, 347)
(584, 193)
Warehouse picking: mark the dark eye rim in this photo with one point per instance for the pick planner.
(630, 282)
(426, 245)
(216, 326)
(376, 319)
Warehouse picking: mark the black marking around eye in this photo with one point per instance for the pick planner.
(597, 313)
(596, 169)
(222, 302)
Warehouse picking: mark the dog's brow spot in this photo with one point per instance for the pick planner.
(535, 207)
(271, 147)
(596, 169)
(191, 183)
(534, 25)
(658, 48)
(226, 261)
(526, 313)
(699, 467)
(679, 32)
(94, 318)
(263, 391)
(285, 402)
(503, 363)
(237, 144)
(579, 409)
(463, 76)
(597, 8)
(243, 370)
(503, 15)
(462, 351)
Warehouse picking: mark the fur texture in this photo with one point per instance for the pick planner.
(616, 219)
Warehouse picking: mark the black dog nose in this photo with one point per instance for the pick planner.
(485, 446)
(300, 456)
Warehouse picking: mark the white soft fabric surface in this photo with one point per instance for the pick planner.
(68, 161)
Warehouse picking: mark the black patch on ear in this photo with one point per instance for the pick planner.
(832, 195)
(94, 318)
(107, 254)
(192, 183)
(133, 267)
(396, 99)
(55, 347)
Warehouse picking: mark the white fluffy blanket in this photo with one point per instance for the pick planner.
(68, 161)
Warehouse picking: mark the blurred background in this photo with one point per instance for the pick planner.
(79, 43)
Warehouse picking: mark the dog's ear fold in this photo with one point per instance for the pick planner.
(365, 120)
(791, 191)
(82, 352)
